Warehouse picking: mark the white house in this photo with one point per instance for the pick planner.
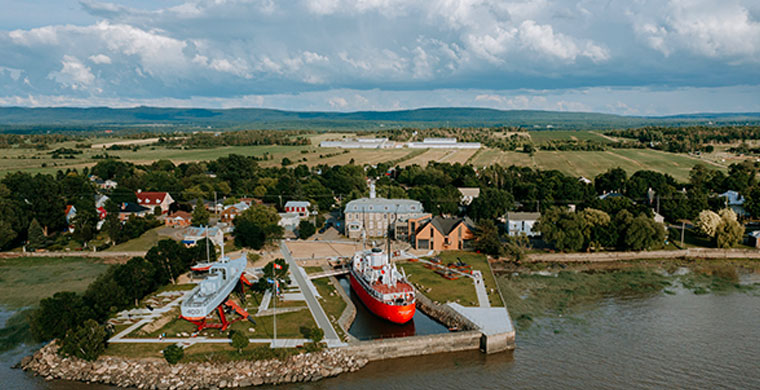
(443, 143)
(734, 201)
(153, 199)
(521, 223)
(195, 234)
(299, 207)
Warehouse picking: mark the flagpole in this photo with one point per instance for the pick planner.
(274, 285)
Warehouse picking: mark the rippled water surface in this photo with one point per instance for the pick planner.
(681, 341)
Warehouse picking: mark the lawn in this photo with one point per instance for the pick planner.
(143, 243)
(461, 290)
(441, 290)
(26, 280)
(288, 326)
(478, 262)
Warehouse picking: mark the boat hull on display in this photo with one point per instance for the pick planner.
(399, 314)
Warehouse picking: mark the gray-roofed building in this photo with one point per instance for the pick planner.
(372, 215)
(522, 223)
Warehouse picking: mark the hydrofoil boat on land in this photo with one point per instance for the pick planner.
(213, 293)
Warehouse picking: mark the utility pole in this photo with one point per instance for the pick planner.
(683, 229)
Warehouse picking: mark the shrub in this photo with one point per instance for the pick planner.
(85, 342)
(173, 353)
(239, 341)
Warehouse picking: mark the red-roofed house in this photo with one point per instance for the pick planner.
(153, 199)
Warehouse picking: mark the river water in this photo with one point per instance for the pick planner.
(681, 341)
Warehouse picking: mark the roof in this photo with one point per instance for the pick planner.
(239, 206)
(70, 208)
(150, 197)
(734, 198)
(383, 205)
(522, 216)
(755, 234)
(195, 231)
(446, 224)
(181, 214)
(129, 207)
(610, 195)
(472, 192)
(297, 203)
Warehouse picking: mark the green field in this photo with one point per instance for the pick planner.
(575, 163)
(590, 164)
(26, 280)
(565, 135)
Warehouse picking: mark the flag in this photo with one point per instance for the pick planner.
(277, 266)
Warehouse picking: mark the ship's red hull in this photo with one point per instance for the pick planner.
(393, 313)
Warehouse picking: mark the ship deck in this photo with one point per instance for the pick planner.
(400, 287)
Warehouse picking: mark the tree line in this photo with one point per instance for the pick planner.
(78, 320)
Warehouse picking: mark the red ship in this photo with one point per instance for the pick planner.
(381, 287)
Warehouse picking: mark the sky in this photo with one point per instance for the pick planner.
(631, 57)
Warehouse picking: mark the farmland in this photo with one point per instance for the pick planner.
(576, 163)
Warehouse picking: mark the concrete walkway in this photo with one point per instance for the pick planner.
(490, 320)
(310, 295)
(480, 289)
(265, 300)
(154, 315)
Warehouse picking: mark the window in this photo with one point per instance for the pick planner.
(423, 244)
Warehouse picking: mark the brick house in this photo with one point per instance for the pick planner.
(444, 233)
(127, 209)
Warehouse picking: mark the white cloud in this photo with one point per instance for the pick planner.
(543, 39)
(73, 74)
(711, 28)
(100, 59)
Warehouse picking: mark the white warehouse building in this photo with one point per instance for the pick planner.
(443, 143)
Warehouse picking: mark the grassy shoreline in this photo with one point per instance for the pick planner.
(549, 290)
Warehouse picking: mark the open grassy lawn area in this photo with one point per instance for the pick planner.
(441, 290)
(26, 280)
(478, 262)
(146, 241)
(288, 326)
(461, 290)
(332, 304)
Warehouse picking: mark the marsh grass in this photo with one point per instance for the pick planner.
(566, 289)
(16, 331)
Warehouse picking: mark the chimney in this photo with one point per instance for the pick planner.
(372, 193)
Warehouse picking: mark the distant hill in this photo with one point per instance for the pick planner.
(22, 119)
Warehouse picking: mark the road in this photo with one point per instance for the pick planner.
(307, 289)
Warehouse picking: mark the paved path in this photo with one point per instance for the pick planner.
(265, 301)
(480, 289)
(308, 290)
(490, 320)
(153, 316)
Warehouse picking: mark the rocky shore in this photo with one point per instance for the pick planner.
(158, 374)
